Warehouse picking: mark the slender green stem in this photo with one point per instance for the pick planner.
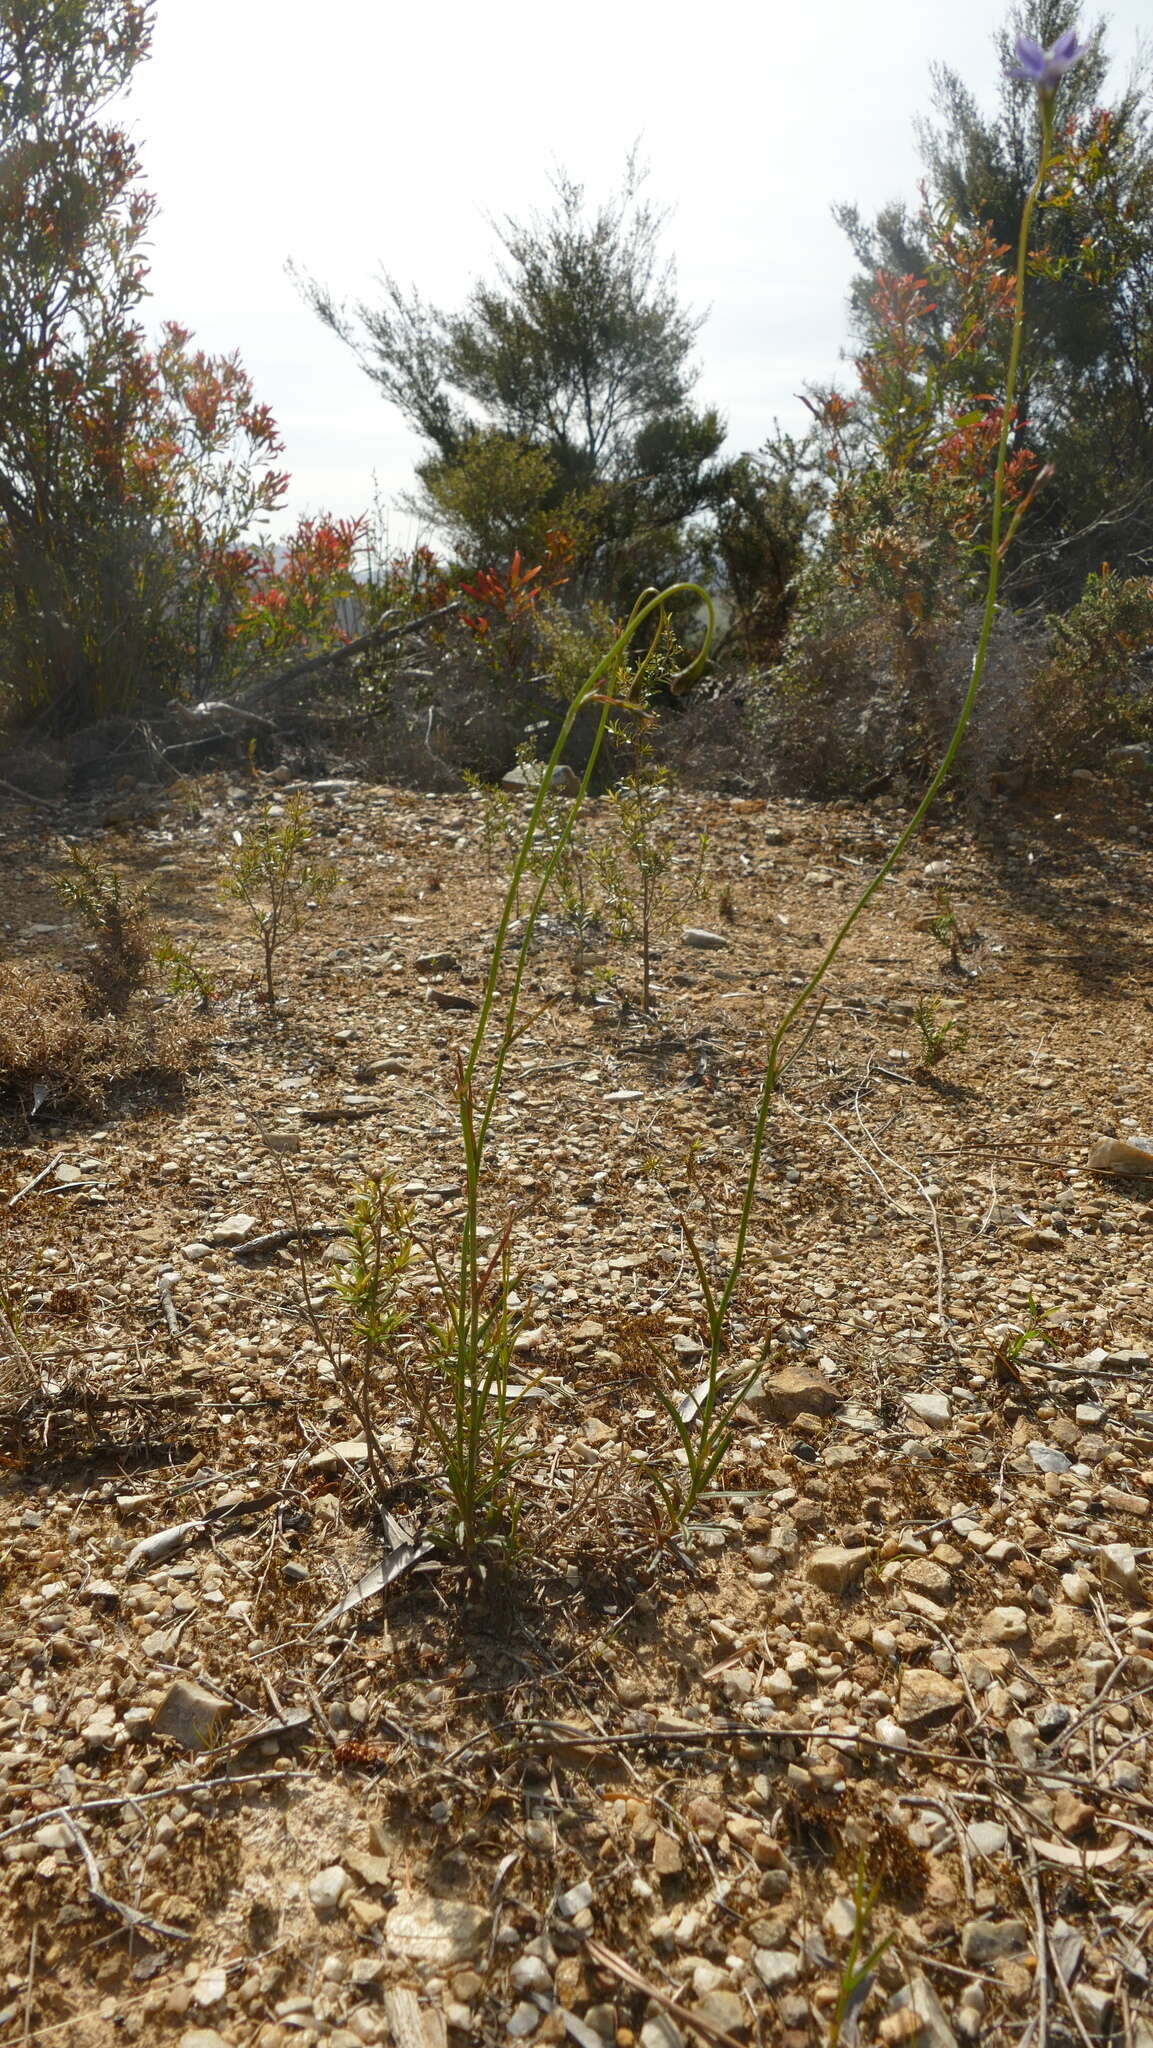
(996, 551)
(480, 1338)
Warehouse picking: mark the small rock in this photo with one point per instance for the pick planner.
(1113, 1155)
(190, 1715)
(1096, 2009)
(919, 1999)
(234, 1229)
(705, 941)
(1021, 1737)
(1117, 1562)
(723, 2009)
(335, 1457)
(1047, 1459)
(1008, 1625)
(891, 1732)
(935, 1409)
(835, 1569)
(442, 1931)
(661, 2031)
(55, 1834)
(447, 999)
(576, 1901)
(1052, 1719)
(196, 1251)
(794, 1391)
(328, 1888)
(987, 1837)
(777, 1968)
(987, 1941)
(840, 1921)
(927, 1699)
(1072, 1815)
(929, 1579)
(101, 1731)
(204, 2037)
(523, 2020)
(531, 1973)
(433, 963)
(210, 1988)
(1076, 1588)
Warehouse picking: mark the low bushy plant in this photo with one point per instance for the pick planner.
(119, 960)
(1094, 685)
(270, 871)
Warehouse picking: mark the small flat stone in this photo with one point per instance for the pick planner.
(835, 1569)
(920, 2001)
(352, 1451)
(935, 1409)
(777, 1968)
(795, 1391)
(234, 1229)
(210, 1988)
(1071, 1814)
(429, 963)
(1008, 1625)
(576, 1901)
(190, 1715)
(927, 1699)
(891, 1732)
(929, 1579)
(204, 2037)
(705, 941)
(447, 999)
(667, 1857)
(1047, 1458)
(442, 1931)
(724, 2009)
(987, 1837)
(196, 1251)
(987, 1941)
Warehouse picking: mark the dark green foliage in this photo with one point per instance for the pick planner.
(558, 397)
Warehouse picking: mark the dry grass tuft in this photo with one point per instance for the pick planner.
(53, 1051)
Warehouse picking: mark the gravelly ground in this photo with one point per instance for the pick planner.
(627, 1796)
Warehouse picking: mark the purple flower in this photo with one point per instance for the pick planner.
(1046, 68)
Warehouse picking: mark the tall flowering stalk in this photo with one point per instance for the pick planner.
(477, 1429)
(705, 1436)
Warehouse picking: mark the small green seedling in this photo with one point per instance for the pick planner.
(120, 957)
(950, 937)
(636, 873)
(270, 872)
(860, 1960)
(937, 1040)
(183, 974)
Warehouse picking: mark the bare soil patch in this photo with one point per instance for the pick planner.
(618, 1795)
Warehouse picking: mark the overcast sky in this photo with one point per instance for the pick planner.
(370, 134)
